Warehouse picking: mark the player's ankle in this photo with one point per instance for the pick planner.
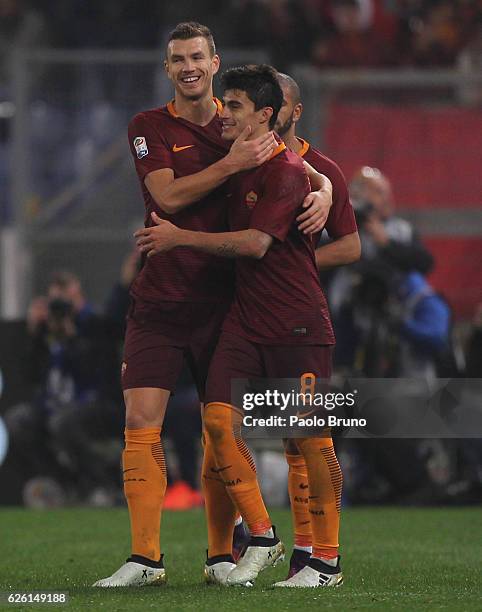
(269, 533)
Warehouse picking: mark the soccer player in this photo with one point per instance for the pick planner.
(344, 249)
(277, 326)
(179, 299)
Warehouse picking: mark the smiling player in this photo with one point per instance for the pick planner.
(179, 299)
(278, 324)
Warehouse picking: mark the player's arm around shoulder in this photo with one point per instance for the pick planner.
(317, 204)
(165, 236)
(173, 194)
(340, 252)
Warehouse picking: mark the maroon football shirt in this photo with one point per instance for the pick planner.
(278, 299)
(159, 138)
(341, 219)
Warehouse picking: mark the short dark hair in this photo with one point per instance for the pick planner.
(193, 29)
(260, 82)
(292, 85)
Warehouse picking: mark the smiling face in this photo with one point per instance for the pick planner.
(239, 112)
(191, 67)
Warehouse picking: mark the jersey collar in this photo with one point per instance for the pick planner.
(304, 147)
(171, 107)
(281, 147)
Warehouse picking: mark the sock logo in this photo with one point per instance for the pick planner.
(232, 483)
(219, 470)
(303, 486)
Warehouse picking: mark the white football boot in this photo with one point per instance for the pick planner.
(260, 553)
(135, 574)
(315, 574)
(217, 568)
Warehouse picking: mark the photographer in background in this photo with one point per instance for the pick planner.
(382, 233)
(388, 322)
(72, 365)
(360, 296)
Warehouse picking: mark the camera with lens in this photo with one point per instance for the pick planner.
(363, 210)
(60, 309)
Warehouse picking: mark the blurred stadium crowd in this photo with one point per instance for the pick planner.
(388, 320)
(338, 33)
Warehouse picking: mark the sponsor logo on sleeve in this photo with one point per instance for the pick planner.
(140, 146)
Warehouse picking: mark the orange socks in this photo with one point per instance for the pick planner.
(220, 509)
(298, 490)
(235, 465)
(144, 487)
(325, 483)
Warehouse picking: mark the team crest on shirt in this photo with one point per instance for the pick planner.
(251, 199)
(140, 145)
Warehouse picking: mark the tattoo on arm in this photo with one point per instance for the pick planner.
(227, 250)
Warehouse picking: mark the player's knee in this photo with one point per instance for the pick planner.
(138, 419)
(217, 422)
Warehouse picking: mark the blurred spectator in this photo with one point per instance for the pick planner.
(424, 328)
(384, 234)
(438, 35)
(354, 40)
(389, 243)
(73, 410)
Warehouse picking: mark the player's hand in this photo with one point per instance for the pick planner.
(161, 238)
(246, 154)
(317, 205)
(38, 313)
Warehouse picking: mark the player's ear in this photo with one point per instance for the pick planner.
(216, 63)
(297, 112)
(166, 68)
(266, 114)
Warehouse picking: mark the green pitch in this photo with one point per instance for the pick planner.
(393, 559)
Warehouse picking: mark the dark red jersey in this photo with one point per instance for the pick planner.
(341, 220)
(278, 299)
(159, 138)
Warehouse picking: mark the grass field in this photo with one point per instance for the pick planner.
(393, 559)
